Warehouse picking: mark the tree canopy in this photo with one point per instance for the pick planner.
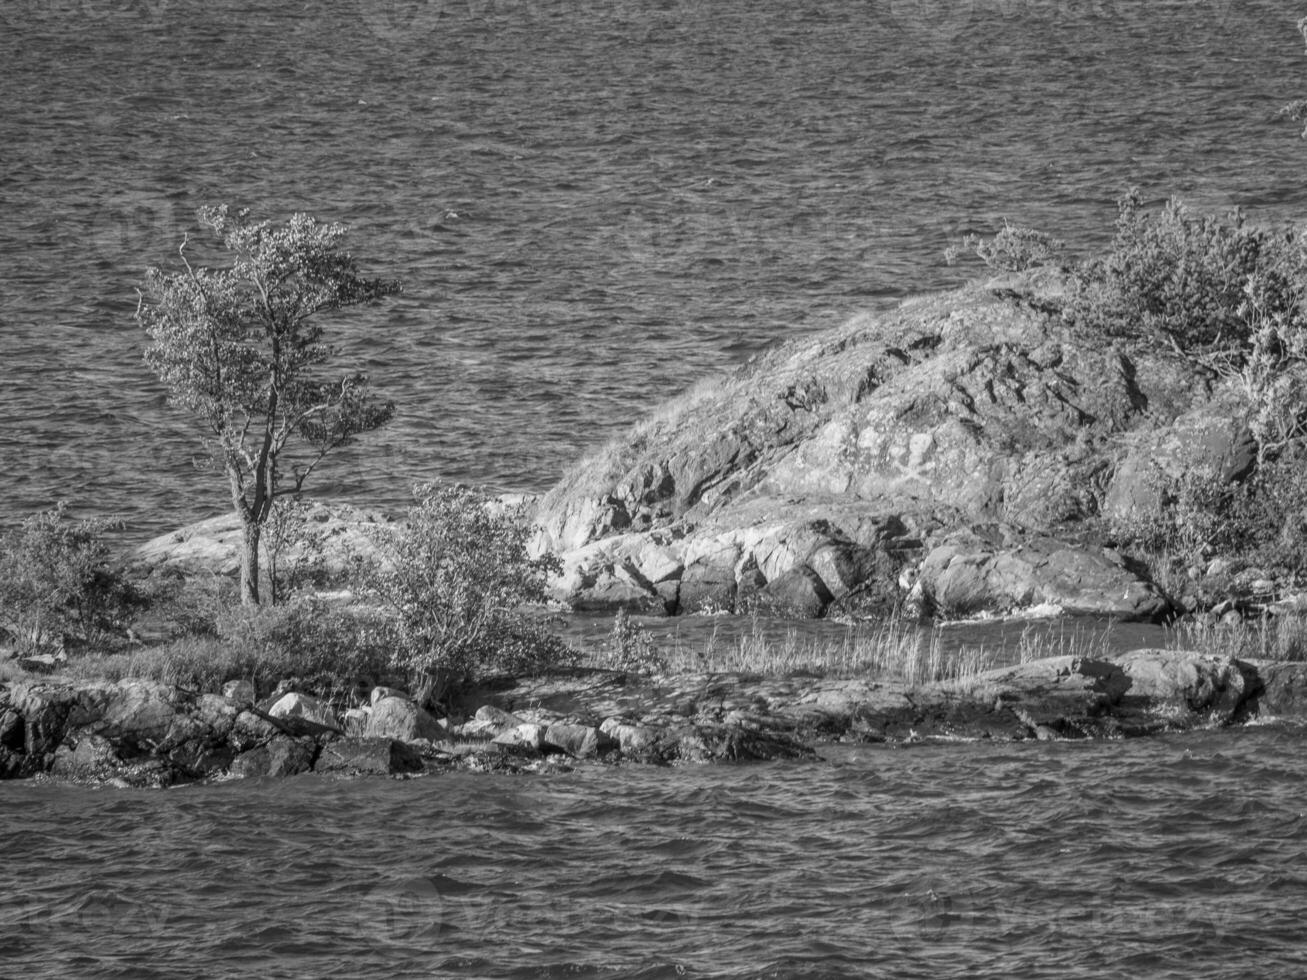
(242, 348)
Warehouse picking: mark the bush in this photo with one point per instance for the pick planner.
(1013, 249)
(336, 652)
(57, 582)
(456, 579)
(320, 647)
(1261, 522)
(631, 648)
(1185, 279)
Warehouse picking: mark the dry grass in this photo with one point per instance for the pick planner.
(1270, 638)
(198, 663)
(894, 649)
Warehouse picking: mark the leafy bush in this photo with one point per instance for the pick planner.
(456, 578)
(631, 648)
(1013, 249)
(57, 582)
(1185, 278)
(1261, 522)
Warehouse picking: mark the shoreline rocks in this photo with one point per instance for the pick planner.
(142, 733)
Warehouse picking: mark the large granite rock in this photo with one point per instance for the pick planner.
(400, 718)
(968, 574)
(822, 473)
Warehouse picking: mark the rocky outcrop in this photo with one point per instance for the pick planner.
(820, 476)
(333, 532)
(143, 733)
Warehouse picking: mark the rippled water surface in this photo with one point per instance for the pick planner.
(591, 204)
(1170, 857)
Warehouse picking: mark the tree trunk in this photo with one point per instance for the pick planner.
(250, 564)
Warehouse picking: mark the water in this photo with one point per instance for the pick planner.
(592, 203)
(1171, 857)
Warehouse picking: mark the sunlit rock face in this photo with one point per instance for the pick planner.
(826, 474)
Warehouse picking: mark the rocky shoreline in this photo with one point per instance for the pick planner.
(966, 453)
(143, 733)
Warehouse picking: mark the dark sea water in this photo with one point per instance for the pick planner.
(592, 202)
(1177, 857)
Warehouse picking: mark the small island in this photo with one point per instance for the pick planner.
(1118, 438)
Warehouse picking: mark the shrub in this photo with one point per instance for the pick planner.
(631, 648)
(320, 647)
(1013, 249)
(57, 582)
(1185, 279)
(456, 578)
(336, 652)
(1260, 522)
(294, 550)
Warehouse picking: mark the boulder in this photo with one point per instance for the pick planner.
(300, 714)
(398, 717)
(45, 709)
(239, 692)
(1137, 693)
(638, 743)
(368, 757)
(524, 739)
(250, 729)
(87, 758)
(578, 741)
(282, 756)
(969, 575)
(355, 720)
(797, 593)
(496, 719)
(1212, 439)
(1281, 690)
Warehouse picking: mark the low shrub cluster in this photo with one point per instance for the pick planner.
(1186, 278)
(447, 598)
(456, 581)
(1259, 523)
(59, 585)
(1015, 248)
